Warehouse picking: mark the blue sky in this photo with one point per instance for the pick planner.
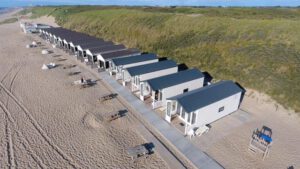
(12, 3)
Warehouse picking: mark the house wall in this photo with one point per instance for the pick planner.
(159, 73)
(126, 75)
(210, 113)
(178, 89)
(88, 52)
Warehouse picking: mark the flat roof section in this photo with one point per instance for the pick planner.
(175, 79)
(152, 67)
(134, 59)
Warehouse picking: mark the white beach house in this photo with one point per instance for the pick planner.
(137, 74)
(82, 48)
(103, 59)
(118, 65)
(205, 105)
(92, 53)
(161, 88)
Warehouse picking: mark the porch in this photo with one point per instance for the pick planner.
(177, 116)
(155, 96)
(176, 120)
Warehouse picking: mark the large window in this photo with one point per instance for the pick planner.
(193, 118)
(173, 106)
(183, 114)
(189, 117)
(221, 109)
(169, 109)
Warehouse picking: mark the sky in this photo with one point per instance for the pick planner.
(14, 3)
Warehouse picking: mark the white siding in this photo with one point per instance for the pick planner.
(210, 113)
(126, 76)
(99, 57)
(88, 52)
(79, 48)
(160, 73)
(178, 89)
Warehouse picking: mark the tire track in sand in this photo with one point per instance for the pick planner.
(40, 130)
(20, 135)
(12, 82)
(10, 146)
(10, 150)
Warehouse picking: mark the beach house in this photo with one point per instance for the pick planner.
(157, 90)
(204, 105)
(137, 74)
(118, 65)
(103, 59)
(92, 53)
(82, 48)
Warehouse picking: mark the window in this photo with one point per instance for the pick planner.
(168, 109)
(185, 90)
(193, 118)
(183, 114)
(173, 106)
(221, 109)
(137, 80)
(189, 117)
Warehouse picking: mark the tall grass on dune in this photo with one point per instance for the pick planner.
(257, 47)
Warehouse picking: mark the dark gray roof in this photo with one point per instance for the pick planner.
(196, 99)
(106, 48)
(152, 67)
(71, 36)
(175, 79)
(121, 53)
(134, 59)
(95, 44)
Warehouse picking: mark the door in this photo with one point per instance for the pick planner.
(168, 114)
(142, 91)
(101, 64)
(123, 75)
(106, 65)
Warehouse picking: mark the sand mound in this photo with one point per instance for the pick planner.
(92, 121)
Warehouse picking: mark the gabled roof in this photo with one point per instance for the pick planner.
(196, 99)
(152, 67)
(174, 79)
(106, 48)
(95, 44)
(120, 53)
(71, 36)
(134, 59)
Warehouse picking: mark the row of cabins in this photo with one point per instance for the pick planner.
(181, 93)
(94, 51)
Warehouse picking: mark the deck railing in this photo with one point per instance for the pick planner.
(156, 104)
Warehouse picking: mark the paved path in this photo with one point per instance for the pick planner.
(194, 154)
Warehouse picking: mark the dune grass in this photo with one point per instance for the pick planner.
(9, 20)
(257, 47)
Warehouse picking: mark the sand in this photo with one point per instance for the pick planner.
(46, 122)
(57, 125)
(229, 137)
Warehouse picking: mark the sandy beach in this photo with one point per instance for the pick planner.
(46, 122)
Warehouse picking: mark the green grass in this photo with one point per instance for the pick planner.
(257, 47)
(9, 20)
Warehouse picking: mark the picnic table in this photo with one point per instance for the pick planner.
(108, 97)
(141, 150)
(137, 151)
(115, 115)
